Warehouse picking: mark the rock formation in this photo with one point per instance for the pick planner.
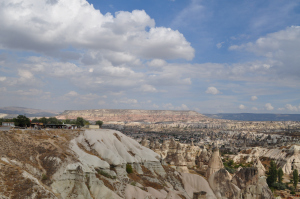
(215, 163)
(220, 182)
(251, 184)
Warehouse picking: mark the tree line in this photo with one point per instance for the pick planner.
(24, 121)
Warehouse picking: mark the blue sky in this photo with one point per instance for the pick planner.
(209, 56)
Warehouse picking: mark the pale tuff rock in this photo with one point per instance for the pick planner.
(145, 142)
(132, 192)
(215, 163)
(116, 148)
(287, 159)
(220, 182)
(252, 186)
(80, 182)
(195, 183)
(261, 169)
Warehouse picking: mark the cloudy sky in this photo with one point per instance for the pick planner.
(210, 56)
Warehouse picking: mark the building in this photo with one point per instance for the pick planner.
(11, 124)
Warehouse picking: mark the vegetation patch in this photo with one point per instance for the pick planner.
(105, 174)
(129, 168)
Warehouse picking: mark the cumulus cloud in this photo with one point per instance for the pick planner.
(52, 27)
(254, 108)
(71, 94)
(269, 107)
(242, 107)
(148, 88)
(219, 45)
(157, 63)
(291, 108)
(2, 79)
(253, 98)
(281, 48)
(212, 90)
(170, 106)
(125, 101)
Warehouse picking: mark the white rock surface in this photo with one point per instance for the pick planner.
(195, 183)
(116, 148)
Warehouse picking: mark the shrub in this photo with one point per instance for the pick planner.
(44, 177)
(279, 186)
(230, 170)
(129, 168)
(106, 174)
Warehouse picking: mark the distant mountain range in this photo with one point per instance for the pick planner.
(12, 111)
(255, 116)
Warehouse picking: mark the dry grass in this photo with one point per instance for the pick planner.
(146, 171)
(106, 182)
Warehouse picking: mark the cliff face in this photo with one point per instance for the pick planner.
(131, 115)
(95, 164)
(83, 164)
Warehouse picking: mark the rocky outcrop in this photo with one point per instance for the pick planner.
(251, 184)
(215, 163)
(220, 182)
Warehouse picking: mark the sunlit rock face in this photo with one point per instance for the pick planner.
(252, 185)
(220, 182)
(215, 163)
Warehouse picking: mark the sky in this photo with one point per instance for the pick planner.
(234, 56)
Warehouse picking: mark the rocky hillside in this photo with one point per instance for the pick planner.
(96, 164)
(130, 115)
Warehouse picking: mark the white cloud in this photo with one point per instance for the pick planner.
(125, 101)
(172, 107)
(184, 107)
(71, 94)
(219, 45)
(76, 23)
(291, 108)
(281, 109)
(2, 79)
(155, 106)
(148, 88)
(254, 108)
(157, 63)
(269, 107)
(25, 74)
(212, 90)
(29, 92)
(242, 107)
(253, 98)
(281, 49)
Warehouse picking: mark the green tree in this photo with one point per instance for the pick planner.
(35, 120)
(54, 120)
(22, 121)
(99, 123)
(80, 121)
(272, 174)
(43, 120)
(295, 178)
(280, 174)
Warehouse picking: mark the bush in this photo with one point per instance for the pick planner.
(129, 168)
(44, 177)
(279, 186)
(230, 170)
